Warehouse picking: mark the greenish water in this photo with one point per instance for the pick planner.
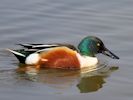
(67, 21)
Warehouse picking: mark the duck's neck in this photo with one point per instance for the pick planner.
(86, 61)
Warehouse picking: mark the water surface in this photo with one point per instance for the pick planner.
(67, 21)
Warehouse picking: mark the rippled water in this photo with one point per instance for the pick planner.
(67, 21)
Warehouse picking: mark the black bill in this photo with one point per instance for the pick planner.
(109, 54)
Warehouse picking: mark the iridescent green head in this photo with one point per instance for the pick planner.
(90, 46)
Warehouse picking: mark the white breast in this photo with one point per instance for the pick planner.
(86, 61)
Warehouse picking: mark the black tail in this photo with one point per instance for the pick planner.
(20, 56)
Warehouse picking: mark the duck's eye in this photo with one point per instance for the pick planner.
(98, 44)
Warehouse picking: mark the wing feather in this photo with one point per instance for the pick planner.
(46, 46)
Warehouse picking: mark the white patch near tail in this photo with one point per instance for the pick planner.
(15, 52)
(32, 59)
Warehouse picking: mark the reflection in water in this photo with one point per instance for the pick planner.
(90, 84)
(62, 79)
(27, 72)
(93, 81)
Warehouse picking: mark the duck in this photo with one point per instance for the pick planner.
(63, 56)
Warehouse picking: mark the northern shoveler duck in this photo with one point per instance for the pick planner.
(64, 56)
